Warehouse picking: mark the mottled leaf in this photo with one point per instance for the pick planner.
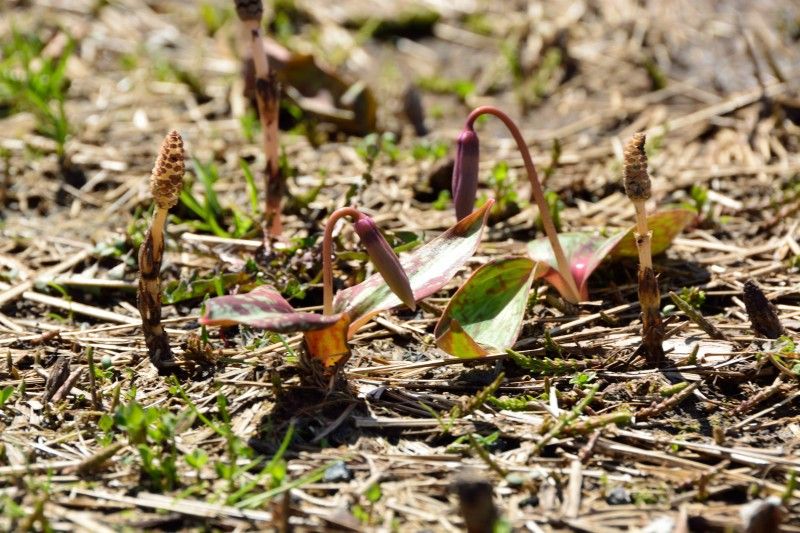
(486, 313)
(262, 308)
(429, 268)
(665, 225)
(329, 345)
(584, 252)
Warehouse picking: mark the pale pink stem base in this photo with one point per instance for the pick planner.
(538, 196)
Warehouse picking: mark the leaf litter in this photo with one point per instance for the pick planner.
(570, 430)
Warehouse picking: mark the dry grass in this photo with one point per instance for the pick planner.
(716, 90)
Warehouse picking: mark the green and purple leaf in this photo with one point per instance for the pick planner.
(584, 251)
(665, 225)
(262, 308)
(486, 313)
(428, 267)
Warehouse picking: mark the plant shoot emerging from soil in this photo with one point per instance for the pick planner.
(166, 181)
(421, 273)
(379, 251)
(465, 183)
(637, 187)
(267, 99)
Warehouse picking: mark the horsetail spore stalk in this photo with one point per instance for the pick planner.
(637, 187)
(166, 182)
(465, 186)
(380, 253)
(250, 12)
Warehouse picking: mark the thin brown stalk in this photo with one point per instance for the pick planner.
(761, 396)
(267, 93)
(637, 187)
(92, 383)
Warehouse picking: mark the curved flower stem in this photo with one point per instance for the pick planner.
(538, 195)
(327, 253)
(383, 258)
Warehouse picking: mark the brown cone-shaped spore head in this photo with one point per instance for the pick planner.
(637, 181)
(249, 9)
(166, 180)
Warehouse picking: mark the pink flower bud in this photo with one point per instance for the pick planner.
(385, 260)
(465, 173)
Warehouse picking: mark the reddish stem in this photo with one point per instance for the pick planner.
(327, 253)
(266, 101)
(538, 195)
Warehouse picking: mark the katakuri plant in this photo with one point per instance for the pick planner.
(404, 280)
(485, 315)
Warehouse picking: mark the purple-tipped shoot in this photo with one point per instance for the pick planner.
(465, 172)
(380, 253)
(465, 186)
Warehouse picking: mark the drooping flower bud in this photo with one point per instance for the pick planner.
(465, 173)
(385, 260)
(166, 179)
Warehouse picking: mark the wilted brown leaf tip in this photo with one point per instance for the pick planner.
(167, 177)
(249, 9)
(637, 181)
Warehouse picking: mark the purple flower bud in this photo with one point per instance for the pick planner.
(385, 260)
(465, 173)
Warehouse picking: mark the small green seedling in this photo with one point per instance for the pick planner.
(33, 82)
